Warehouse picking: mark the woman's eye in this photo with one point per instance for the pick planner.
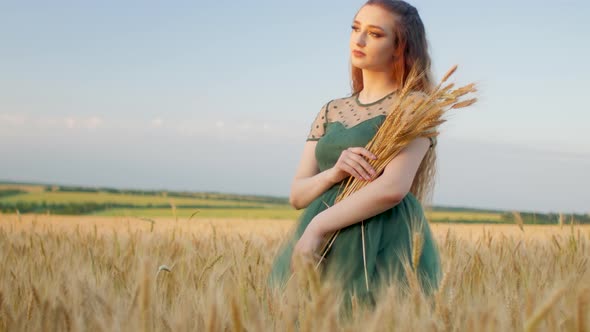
(376, 35)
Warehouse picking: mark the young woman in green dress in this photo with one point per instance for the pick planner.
(387, 38)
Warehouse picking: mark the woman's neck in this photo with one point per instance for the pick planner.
(376, 84)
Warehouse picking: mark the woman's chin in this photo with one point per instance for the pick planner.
(359, 63)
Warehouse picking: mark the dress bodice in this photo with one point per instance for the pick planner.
(338, 137)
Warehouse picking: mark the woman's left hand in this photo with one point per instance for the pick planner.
(309, 242)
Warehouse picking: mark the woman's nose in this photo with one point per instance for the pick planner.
(360, 40)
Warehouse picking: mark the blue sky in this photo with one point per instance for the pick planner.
(219, 96)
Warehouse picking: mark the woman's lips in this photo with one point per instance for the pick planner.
(358, 53)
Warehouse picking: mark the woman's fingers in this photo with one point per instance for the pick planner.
(362, 166)
(353, 168)
(317, 256)
(348, 166)
(312, 258)
(303, 257)
(352, 162)
(363, 151)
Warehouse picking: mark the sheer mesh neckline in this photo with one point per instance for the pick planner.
(349, 113)
(359, 103)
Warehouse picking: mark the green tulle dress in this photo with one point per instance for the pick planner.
(343, 123)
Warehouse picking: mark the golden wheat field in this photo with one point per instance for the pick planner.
(69, 273)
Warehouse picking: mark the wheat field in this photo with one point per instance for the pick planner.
(91, 273)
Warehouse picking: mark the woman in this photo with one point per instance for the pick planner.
(386, 40)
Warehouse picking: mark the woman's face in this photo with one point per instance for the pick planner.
(372, 34)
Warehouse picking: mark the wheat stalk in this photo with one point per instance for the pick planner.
(543, 310)
(561, 220)
(409, 119)
(518, 220)
(582, 305)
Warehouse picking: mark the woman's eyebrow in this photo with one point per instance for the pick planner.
(370, 25)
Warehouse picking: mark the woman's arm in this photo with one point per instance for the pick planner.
(377, 196)
(309, 182)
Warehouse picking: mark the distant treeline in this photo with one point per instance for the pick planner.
(42, 207)
(201, 195)
(527, 218)
(547, 218)
(91, 207)
(11, 192)
(463, 209)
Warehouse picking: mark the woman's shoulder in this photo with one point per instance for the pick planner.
(417, 94)
(335, 103)
(413, 95)
(412, 98)
(339, 101)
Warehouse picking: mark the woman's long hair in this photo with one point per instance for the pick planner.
(411, 49)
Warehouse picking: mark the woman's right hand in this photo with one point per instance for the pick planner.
(352, 162)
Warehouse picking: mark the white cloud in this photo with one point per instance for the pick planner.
(12, 119)
(245, 126)
(157, 122)
(70, 122)
(207, 128)
(93, 122)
